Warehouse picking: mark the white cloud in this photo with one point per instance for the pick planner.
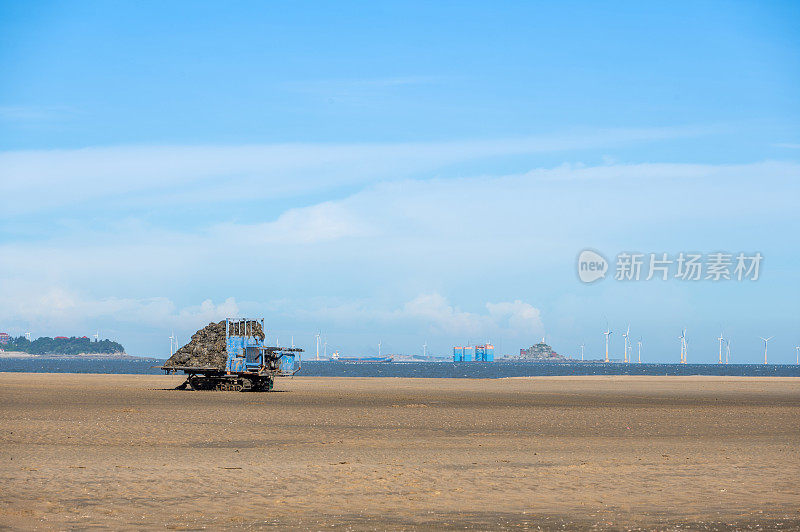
(430, 313)
(516, 319)
(26, 114)
(441, 317)
(317, 223)
(142, 176)
(412, 226)
(520, 317)
(397, 253)
(347, 86)
(56, 307)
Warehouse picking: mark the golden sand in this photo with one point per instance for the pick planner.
(126, 451)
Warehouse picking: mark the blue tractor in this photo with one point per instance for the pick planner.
(250, 365)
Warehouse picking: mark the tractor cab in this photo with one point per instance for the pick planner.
(248, 354)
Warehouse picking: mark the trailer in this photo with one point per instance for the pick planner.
(250, 365)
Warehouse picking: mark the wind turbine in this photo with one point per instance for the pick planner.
(797, 354)
(582, 346)
(721, 339)
(379, 348)
(640, 349)
(171, 343)
(425, 349)
(317, 338)
(607, 333)
(96, 336)
(28, 336)
(727, 350)
(625, 337)
(682, 338)
(685, 347)
(765, 346)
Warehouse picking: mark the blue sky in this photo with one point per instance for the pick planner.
(402, 172)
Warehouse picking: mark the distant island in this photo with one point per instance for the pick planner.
(539, 352)
(62, 345)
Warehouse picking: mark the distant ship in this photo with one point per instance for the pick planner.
(336, 358)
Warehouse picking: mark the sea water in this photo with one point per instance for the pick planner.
(471, 370)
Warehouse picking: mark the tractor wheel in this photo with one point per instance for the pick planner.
(201, 383)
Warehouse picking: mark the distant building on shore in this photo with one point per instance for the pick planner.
(4, 338)
(474, 353)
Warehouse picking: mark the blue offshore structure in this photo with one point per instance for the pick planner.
(474, 353)
(251, 365)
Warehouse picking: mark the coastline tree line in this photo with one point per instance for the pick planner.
(63, 346)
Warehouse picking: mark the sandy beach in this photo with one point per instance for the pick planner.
(128, 452)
